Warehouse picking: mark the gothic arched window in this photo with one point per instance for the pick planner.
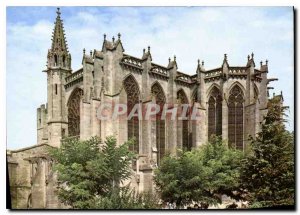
(215, 113)
(182, 99)
(236, 118)
(64, 60)
(55, 89)
(160, 100)
(74, 112)
(133, 94)
(195, 96)
(55, 60)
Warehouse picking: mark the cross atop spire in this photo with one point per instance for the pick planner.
(58, 12)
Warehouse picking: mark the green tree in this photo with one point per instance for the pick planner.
(200, 175)
(90, 173)
(268, 172)
(126, 198)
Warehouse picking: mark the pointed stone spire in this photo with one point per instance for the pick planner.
(58, 55)
(263, 67)
(58, 12)
(172, 63)
(146, 55)
(59, 40)
(250, 61)
(225, 61)
(200, 65)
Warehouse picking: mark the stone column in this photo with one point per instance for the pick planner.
(146, 129)
(106, 125)
(179, 133)
(199, 128)
(224, 118)
(148, 134)
(85, 120)
(95, 122)
(171, 133)
(38, 186)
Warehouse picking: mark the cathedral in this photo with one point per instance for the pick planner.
(231, 102)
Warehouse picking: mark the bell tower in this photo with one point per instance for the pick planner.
(58, 68)
(58, 55)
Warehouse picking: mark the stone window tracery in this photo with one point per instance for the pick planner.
(160, 100)
(133, 94)
(74, 112)
(215, 113)
(186, 144)
(236, 118)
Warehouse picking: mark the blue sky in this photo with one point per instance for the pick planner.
(187, 32)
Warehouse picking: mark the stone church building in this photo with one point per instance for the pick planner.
(231, 102)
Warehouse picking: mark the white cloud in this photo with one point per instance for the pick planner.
(190, 33)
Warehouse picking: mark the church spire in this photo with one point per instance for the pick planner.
(59, 39)
(58, 55)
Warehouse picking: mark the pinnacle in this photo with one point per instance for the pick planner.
(58, 35)
(58, 12)
(58, 53)
(225, 57)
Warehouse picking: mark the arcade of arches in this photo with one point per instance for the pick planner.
(235, 115)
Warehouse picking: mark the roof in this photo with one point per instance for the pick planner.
(28, 148)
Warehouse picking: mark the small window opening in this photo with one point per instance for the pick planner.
(55, 60)
(55, 89)
(64, 61)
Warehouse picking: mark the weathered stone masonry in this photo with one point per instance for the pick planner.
(231, 100)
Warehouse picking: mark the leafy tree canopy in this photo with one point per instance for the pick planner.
(90, 173)
(200, 175)
(268, 172)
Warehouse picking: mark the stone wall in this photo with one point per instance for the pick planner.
(32, 181)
